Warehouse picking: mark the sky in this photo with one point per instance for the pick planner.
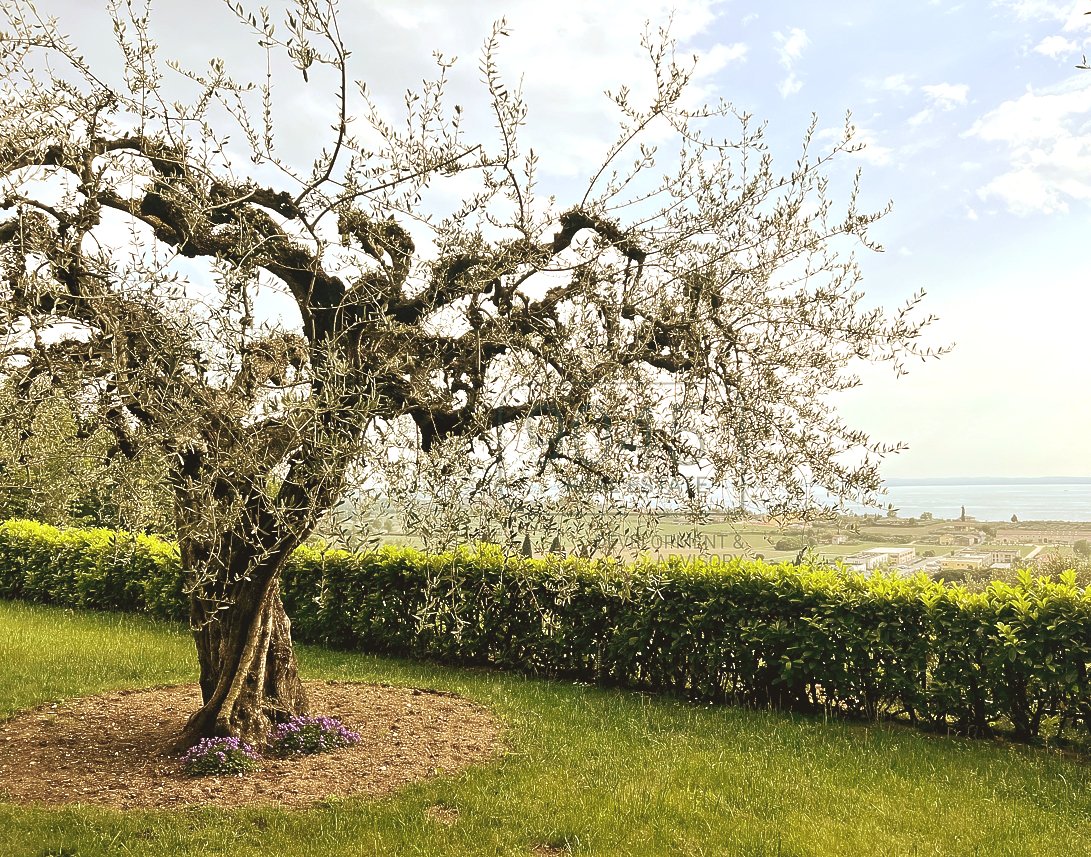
(977, 127)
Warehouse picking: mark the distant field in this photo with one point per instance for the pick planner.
(679, 538)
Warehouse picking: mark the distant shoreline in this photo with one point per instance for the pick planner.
(1044, 498)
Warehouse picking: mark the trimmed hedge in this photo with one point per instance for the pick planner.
(721, 631)
(92, 568)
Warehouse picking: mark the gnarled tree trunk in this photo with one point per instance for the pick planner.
(249, 679)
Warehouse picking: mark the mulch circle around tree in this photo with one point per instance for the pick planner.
(115, 749)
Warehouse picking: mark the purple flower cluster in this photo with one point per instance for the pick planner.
(298, 736)
(307, 735)
(212, 756)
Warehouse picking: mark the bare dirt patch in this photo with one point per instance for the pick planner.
(115, 749)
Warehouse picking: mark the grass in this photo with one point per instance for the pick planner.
(598, 772)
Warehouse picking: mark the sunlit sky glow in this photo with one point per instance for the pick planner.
(977, 124)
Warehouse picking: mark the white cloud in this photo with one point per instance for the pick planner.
(790, 85)
(1070, 13)
(947, 96)
(1023, 192)
(942, 96)
(790, 47)
(1054, 46)
(1047, 145)
(566, 53)
(920, 117)
(896, 83)
(1078, 19)
(1037, 116)
(865, 142)
(718, 56)
(1035, 10)
(872, 152)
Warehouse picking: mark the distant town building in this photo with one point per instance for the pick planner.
(873, 558)
(965, 561)
(964, 539)
(977, 560)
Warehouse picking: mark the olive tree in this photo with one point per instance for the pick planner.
(275, 330)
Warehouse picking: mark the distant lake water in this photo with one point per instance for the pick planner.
(1030, 502)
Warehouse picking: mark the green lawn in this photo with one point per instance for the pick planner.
(597, 771)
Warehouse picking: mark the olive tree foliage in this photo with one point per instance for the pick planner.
(674, 328)
(56, 467)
